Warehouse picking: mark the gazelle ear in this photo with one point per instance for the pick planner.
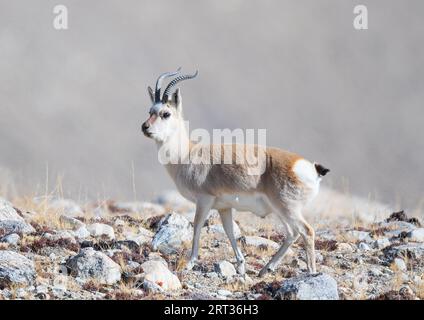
(151, 94)
(176, 100)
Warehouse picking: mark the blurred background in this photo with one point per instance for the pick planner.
(72, 102)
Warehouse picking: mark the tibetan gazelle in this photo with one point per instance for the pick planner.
(284, 185)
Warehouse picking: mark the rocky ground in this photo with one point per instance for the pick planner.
(53, 248)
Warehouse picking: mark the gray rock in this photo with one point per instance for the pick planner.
(344, 247)
(7, 212)
(174, 231)
(67, 207)
(375, 272)
(218, 229)
(260, 242)
(82, 233)
(152, 287)
(211, 275)
(132, 265)
(75, 224)
(12, 239)
(395, 228)
(94, 265)
(224, 293)
(139, 207)
(15, 269)
(174, 199)
(402, 226)
(411, 250)
(101, 230)
(155, 256)
(309, 287)
(142, 237)
(61, 235)
(381, 243)
(225, 269)
(42, 289)
(11, 221)
(15, 226)
(325, 234)
(364, 247)
(355, 235)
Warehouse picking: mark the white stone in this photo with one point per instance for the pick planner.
(416, 235)
(12, 239)
(155, 256)
(156, 272)
(344, 247)
(399, 264)
(101, 230)
(381, 243)
(225, 269)
(376, 272)
(119, 223)
(224, 293)
(42, 289)
(82, 233)
(260, 242)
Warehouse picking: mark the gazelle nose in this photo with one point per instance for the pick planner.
(145, 126)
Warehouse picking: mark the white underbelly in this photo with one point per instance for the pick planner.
(256, 203)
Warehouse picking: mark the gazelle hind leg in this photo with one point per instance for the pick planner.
(203, 206)
(308, 235)
(291, 237)
(227, 222)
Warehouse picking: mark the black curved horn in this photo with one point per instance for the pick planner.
(159, 82)
(174, 82)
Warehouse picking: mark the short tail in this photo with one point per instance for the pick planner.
(321, 170)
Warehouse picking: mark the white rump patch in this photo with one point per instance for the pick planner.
(306, 172)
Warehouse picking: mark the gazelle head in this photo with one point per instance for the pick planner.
(165, 115)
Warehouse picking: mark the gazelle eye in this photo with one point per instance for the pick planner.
(166, 115)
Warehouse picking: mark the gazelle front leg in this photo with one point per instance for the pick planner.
(203, 205)
(227, 222)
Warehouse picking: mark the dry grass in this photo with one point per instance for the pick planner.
(419, 288)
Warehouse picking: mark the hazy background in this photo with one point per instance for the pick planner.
(74, 100)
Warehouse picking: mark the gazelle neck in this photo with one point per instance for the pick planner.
(175, 149)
